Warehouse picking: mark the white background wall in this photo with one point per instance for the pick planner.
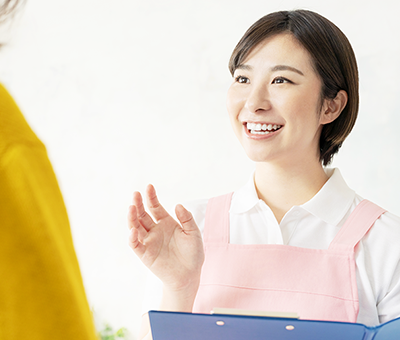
(128, 92)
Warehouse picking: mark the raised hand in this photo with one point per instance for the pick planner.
(172, 251)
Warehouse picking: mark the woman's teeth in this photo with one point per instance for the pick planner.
(262, 129)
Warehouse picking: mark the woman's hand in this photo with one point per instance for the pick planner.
(172, 251)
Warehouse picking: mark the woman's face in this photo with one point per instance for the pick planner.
(274, 103)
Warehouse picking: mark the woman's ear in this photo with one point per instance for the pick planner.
(333, 107)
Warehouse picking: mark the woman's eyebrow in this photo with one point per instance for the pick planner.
(286, 68)
(244, 67)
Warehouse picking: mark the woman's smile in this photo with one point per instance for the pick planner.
(261, 130)
(274, 102)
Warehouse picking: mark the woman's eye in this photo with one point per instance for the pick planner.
(281, 80)
(242, 80)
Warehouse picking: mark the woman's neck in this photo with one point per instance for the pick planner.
(283, 187)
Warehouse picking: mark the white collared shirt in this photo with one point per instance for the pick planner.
(314, 224)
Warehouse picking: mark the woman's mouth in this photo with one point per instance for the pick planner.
(261, 128)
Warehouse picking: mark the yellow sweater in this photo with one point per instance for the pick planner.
(41, 290)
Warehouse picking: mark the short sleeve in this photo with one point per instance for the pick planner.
(388, 253)
(389, 306)
(382, 262)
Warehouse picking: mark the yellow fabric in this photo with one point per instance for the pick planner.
(41, 290)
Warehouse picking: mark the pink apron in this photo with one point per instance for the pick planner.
(316, 283)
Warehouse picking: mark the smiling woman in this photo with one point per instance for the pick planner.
(281, 88)
(296, 238)
(331, 56)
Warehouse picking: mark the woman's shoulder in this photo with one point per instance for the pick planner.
(384, 236)
(388, 222)
(388, 227)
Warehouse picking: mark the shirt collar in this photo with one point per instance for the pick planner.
(245, 198)
(333, 201)
(330, 204)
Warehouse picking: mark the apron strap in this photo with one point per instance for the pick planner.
(216, 226)
(357, 225)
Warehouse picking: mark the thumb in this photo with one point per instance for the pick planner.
(185, 218)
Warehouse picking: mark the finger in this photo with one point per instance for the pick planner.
(156, 209)
(135, 244)
(143, 217)
(133, 222)
(185, 218)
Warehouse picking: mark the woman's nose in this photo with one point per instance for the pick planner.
(258, 99)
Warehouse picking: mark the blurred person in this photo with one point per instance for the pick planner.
(41, 290)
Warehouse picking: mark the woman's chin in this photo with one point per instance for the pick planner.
(258, 157)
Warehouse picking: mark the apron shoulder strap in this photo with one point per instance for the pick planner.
(357, 225)
(216, 226)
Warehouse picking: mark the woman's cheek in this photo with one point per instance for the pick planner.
(234, 101)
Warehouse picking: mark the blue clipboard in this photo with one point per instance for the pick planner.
(191, 326)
